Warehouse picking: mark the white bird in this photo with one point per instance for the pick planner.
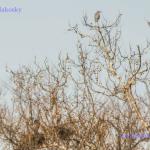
(97, 16)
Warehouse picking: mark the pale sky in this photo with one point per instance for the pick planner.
(41, 28)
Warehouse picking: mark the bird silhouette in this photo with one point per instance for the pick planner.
(97, 16)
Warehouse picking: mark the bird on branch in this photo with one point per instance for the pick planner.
(97, 16)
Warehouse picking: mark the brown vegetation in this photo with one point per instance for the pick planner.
(84, 104)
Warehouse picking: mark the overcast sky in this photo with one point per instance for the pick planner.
(40, 29)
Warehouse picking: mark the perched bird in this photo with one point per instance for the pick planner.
(97, 16)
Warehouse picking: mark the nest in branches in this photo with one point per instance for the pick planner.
(31, 141)
(65, 133)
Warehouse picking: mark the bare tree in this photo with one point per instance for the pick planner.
(84, 104)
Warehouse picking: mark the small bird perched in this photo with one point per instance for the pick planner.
(97, 16)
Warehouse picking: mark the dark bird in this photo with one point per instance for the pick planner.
(97, 16)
